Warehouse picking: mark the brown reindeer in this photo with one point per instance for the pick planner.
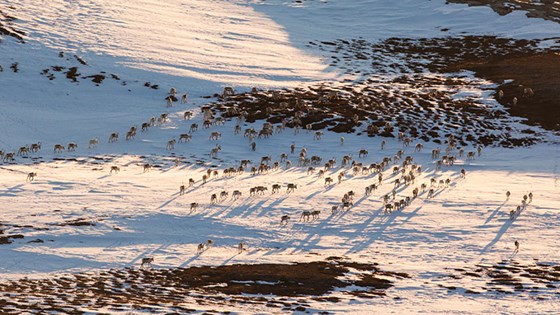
(113, 137)
(199, 248)
(291, 187)
(31, 176)
(194, 206)
(185, 137)
(35, 147)
(240, 247)
(147, 261)
(72, 147)
(115, 169)
(58, 148)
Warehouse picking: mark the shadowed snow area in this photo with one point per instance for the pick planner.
(221, 41)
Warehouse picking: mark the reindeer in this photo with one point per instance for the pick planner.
(113, 137)
(163, 118)
(147, 261)
(152, 121)
(145, 126)
(261, 189)
(214, 151)
(435, 153)
(171, 144)
(215, 135)
(418, 147)
(130, 135)
(213, 199)
(347, 205)
(199, 248)
(182, 189)
(58, 148)
(115, 169)
(9, 157)
(31, 176)
(305, 216)
(275, 188)
(284, 219)
(35, 147)
(318, 135)
(237, 129)
(315, 214)
(389, 208)
(146, 168)
(23, 151)
(363, 153)
(236, 194)
(340, 176)
(240, 247)
(184, 98)
(223, 195)
(334, 209)
(93, 143)
(185, 137)
(430, 194)
(72, 147)
(194, 206)
(291, 187)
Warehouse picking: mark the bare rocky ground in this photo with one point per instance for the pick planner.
(410, 86)
(285, 287)
(7, 27)
(545, 9)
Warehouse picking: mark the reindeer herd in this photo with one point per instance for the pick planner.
(403, 171)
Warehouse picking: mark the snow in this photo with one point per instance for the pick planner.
(199, 47)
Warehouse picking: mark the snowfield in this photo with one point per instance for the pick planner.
(76, 216)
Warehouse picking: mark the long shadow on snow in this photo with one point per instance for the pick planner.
(383, 225)
(499, 235)
(494, 213)
(312, 238)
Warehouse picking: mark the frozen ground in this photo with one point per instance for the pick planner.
(81, 218)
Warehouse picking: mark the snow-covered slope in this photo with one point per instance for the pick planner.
(80, 217)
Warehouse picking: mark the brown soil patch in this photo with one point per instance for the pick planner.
(513, 278)
(421, 102)
(275, 285)
(545, 9)
(540, 73)
(7, 27)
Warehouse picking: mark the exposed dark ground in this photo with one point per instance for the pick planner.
(540, 72)
(7, 27)
(545, 9)
(286, 287)
(401, 94)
